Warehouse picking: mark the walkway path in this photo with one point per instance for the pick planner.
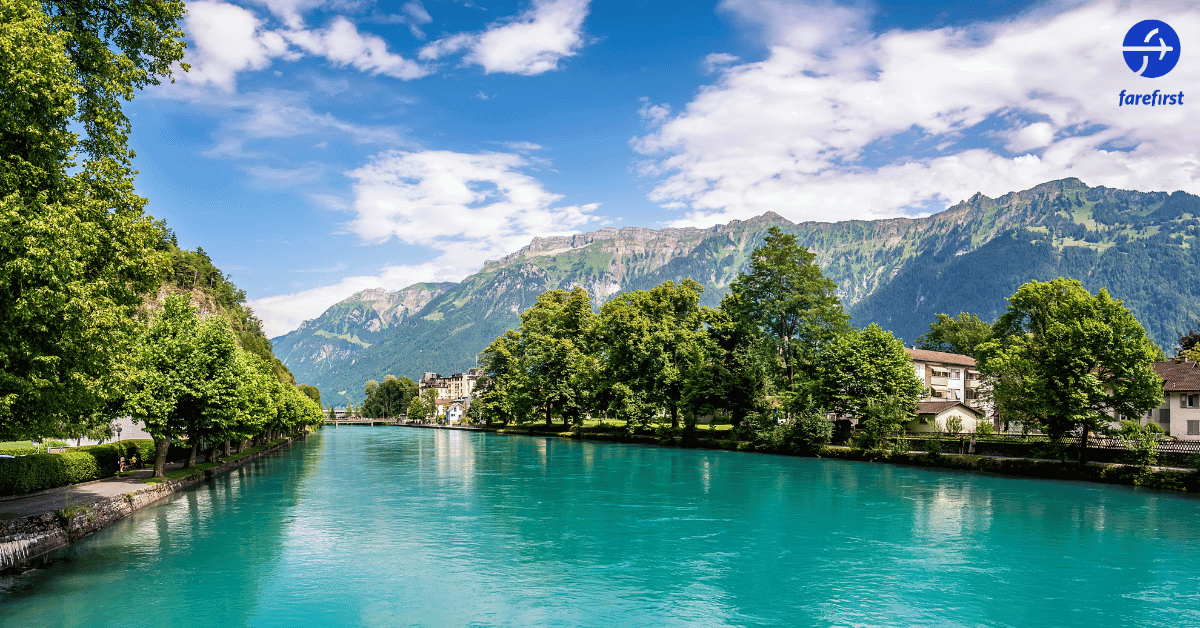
(58, 498)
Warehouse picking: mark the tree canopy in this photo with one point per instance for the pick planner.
(1062, 359)
(961, 334)
(796, 305)
(76, 251)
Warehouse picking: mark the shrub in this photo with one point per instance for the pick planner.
(38, 472)
(933, 447)
(1141, 441)
(953, 425)
(984, 428)
(807, 433)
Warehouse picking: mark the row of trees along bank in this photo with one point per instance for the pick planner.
(83, 270)
(780, 346)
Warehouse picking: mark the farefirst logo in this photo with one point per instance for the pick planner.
(1151, 50)
(1151, 99)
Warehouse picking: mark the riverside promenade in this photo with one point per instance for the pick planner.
(31, 525)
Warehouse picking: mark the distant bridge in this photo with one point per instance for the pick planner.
(361, 421)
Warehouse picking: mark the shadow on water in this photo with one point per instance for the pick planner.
(204, 552)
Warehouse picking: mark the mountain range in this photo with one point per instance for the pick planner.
(1144, 247)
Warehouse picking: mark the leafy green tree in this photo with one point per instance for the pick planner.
(557, 337)
(651, 342)
(1063, 360)
(183, 378)
(389, 398)
(429, 398)
(785, 293)
(312, 392)
(76, 250)
(961, 334)
(502, 392)
(864, 366)
(417, 410)
(738, 374)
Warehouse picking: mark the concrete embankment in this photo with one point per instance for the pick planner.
(24, 538)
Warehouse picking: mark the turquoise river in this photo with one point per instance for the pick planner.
(383, 526)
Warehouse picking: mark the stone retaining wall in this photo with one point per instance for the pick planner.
(26, 538)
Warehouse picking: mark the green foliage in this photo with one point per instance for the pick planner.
(954, 425)
(806, 432)
(38, 472)
(312, 392)
(417, 410)
(956, 335)
(984, 427)
(861, 367)
(1063, 359)
(1141, 441)
(933, 447)
(651, 342)
(883, 423)
(785, 293)
(76, 250)
(390, 398)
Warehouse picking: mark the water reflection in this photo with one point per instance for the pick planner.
(390, 526)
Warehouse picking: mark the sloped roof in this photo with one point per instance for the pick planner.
(937, 407)
(1178, 376)
(923, 355)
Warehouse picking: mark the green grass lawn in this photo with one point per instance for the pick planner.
(16, 444)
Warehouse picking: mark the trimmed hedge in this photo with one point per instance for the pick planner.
(38, 472)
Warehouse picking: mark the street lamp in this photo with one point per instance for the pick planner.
(118, 433)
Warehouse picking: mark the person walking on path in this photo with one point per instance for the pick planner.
(962, 441)
(971, 451)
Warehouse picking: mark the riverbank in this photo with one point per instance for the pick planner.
(67, 514)
(1159, 478)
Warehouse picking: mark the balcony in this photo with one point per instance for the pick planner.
(939, 381)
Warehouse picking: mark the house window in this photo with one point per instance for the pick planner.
(1164, 419)
(933, 392)
(1193, 428)
(972, 375)
(956, 373)
(971, 394)
(1189, 401)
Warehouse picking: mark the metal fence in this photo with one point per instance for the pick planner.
(1167, 445)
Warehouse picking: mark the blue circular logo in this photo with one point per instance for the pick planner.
(1151, 48)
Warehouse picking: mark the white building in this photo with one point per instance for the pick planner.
(1179, 414)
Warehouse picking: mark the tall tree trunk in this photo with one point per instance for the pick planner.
(243, 446)
(191, 461)
(547, 413)
(674, 417)
(226, 449)
(160, 457)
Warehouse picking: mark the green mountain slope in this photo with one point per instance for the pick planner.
(898, 272)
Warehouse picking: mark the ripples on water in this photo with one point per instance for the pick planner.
(390, 526)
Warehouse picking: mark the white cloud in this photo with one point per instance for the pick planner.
(344, 45)
(432, 197)
(799, 132)
(532, 43)
(469, 207)
(227, 39)
(717, 61)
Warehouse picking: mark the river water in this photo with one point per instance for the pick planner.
(384, 526)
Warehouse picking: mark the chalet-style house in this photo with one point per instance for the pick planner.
(952, 387)
(1179, 414)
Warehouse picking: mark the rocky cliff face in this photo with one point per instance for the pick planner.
(1143, 246)
(351, 325)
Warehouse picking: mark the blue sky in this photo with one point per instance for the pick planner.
(319, 148)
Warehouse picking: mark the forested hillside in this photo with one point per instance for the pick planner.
(1142, 246)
